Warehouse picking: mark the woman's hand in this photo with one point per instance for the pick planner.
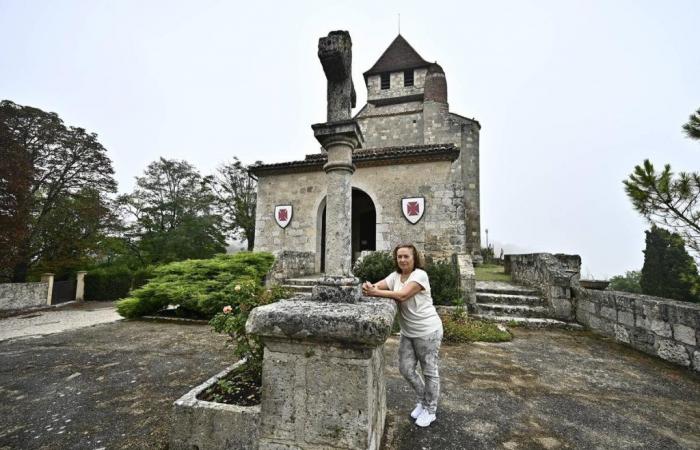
(369, 289)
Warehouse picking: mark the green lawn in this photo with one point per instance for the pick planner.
(490, 272)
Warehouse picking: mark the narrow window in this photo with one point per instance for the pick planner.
(386, 83)
(408, 78)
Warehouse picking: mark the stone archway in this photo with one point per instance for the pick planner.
(364, 226)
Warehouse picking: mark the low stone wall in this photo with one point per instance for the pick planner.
(467, 277)
(661, 327)
(201, 424)
(555, 275)
(23, 295)
(289, 264)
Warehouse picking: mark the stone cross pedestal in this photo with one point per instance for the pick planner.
(323, 368)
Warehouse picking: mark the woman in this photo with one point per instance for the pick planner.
(421, 328)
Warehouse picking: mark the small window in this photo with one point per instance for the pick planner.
(408, 78)
(386, 83)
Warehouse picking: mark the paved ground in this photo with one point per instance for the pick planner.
(554, 390)
(56, 320)
(112, 386)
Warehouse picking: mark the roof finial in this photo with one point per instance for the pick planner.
(399, 23)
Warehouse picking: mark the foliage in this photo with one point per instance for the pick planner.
(232, 319)
(236, 194)
(668, 270)
(141, 276)
(444, 282)
(203, 286)
(374, 267)
(58, 178)
(170, 215)
(491, 272)
(629, 282)
(488, 255)
(463, 329)
(666, 200)
(109, 283)
(692, 128)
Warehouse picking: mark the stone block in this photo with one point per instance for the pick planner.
(684, 334)
(660, 328)
(622, 334)
(625, 318)
(696, 361)
(671, 351)
(643, 340)
(608, 313)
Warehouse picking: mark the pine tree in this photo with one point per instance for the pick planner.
(669, 271)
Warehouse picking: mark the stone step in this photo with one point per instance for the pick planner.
(530, 322)
(509, 299)
(501, 287)
(308, 281)
(495, 309)
(298, 288)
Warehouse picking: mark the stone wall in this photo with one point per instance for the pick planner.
(23, 295)
(661, 327)
(554, 275)
(440, 233)
(467, 277)
(396, 87)
(289, 263)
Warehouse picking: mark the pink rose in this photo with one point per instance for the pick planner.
(227, 310)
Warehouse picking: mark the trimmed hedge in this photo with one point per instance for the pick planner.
(110, 283)
(203, 286)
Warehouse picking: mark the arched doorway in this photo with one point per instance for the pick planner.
(364, 226)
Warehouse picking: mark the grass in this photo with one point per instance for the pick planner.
(491, 272)
(464, 329)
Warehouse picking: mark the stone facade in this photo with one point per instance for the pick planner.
(411, 123)
(23, 295)
(661, 327)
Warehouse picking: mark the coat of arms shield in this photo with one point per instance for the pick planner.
(413, 208)
(283, 215)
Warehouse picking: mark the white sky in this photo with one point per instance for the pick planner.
(570, 94)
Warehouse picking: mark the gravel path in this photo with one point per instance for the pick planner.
(70, 317)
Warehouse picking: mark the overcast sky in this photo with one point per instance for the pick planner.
(570, 94)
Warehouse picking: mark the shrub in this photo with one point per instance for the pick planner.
(203, 286)
(374, 267)
(444, 282)
(141, 276)
(233, 316)
(109, 283)
(629, 282)
(459, 330)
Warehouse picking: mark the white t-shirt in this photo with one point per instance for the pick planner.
(417, 315)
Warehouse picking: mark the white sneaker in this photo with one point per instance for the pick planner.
(425, 418)
(417, 410)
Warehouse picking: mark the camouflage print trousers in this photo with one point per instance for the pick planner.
(424, 350)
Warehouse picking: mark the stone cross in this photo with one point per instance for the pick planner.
(335, 53)
(323, 369)
(340, 135)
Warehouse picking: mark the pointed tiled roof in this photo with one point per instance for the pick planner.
(399, 56)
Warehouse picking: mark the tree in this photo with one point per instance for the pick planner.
(668, 200)
(668, 270)
(236, 194)
(629, 282)
(54, 178)
(170, 214)
(692, 128)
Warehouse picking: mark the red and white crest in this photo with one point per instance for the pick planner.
(413, 208)
(283, 215)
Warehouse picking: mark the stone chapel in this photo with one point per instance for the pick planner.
(416, 175)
